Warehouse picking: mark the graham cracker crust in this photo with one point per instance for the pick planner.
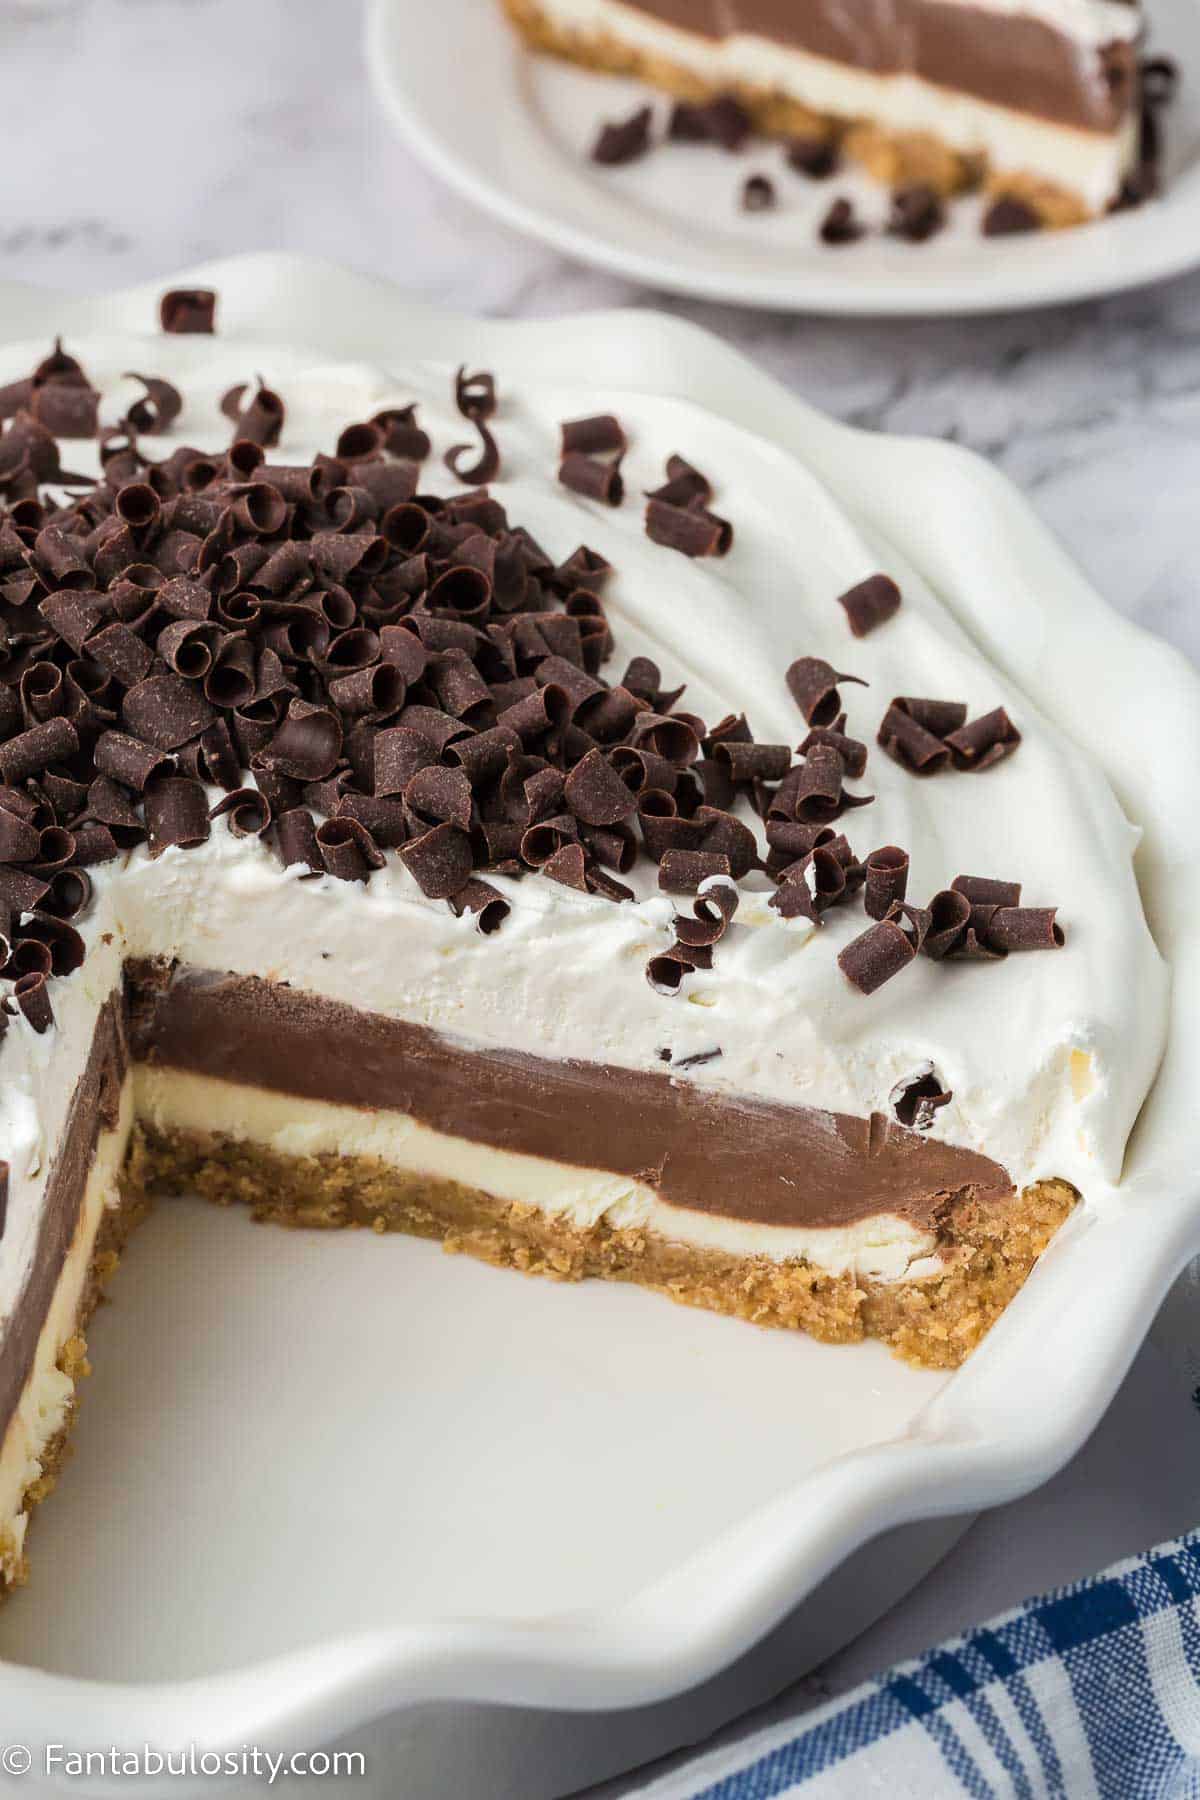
(896, 159)
(934, 1322)
(115, 1227)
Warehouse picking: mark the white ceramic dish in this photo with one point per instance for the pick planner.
(456, 1512)
(512, 132)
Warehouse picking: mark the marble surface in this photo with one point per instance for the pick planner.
(143, 135)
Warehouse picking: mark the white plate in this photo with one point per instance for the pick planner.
(512, 132)
(326, 1485)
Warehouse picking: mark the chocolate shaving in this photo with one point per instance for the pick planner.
(917, 213)
(758, 194)
(910, 744)
(188, 310)
(985, 741)
(683, 871)
(258, 422)
(984, 890)
(870, 603)
(684, 485)
(599, 435)
(31, 996)
(624, 140)
(296, 834)
(158, 408)
(439, 861)
(692, 529)
(878, 954)
(595, 793)
(247, 811)
(176, 812)
(484, 902)
(915, 1101)
(841, 225)
(1024, 928)
(813, 685)
(886, 880)
(347, 849)
(593, 479)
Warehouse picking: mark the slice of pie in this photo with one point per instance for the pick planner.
(655, 889)
(1039, 100)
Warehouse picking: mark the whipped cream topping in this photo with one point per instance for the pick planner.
(1048, 1056)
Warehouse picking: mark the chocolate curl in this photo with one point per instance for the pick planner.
(592, 479)
(545, 837)
(692, 530)
(665, 972)
(308, 743)
(910, 744)
(874, 957)
(484, 902)
(398, 754)
(296, 835)
(1024, 928)
(247, 810)
(261, 422)
(728, 836)
(347, 849)
(568, 866)
(65, 409)
(599, 435)
(402, 436)
(753, 762)
(984, 741)
(33, 751)
(684, 485)
(19, 841)
(21, 891)
(714, 907)
(437, 795)
(475, 397)
(852, 753)
(915, 1101)
(165, 711)
(949, 916)
(188, 310)
(377, 691)
(60, 939)
(813, 685)
(818, 786)
(870, 603)
(176, 813)
(940, 717)
(158, 408)
(624, 140)
(34, 1001)
(683, 871)
(440, 861)
(595, 792)
(71, 889)
(583, 568)
(758, 194)
(260, 509)
(983, 890)
(887, 880)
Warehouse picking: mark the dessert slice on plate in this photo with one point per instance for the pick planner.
(1039, 102)
(444, 837)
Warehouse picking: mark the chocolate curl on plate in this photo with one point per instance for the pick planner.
(684, 486)
(813, 685)
(158, 408)
(915, 1101)
(870, 603)
(176, 813)
(1024, 928)
(187, 310)
(692, 530)
(296, 834)
(624, 140)
(909, 743)
(484, 902)
(594, 480)
(884, 949)
(684, 871)
(259, 422)
(247, 811)
(440, 861)
(600, 435)
(984, 741)
(887, 880)
(34, 1001)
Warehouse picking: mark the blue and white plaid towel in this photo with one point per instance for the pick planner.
(1091, 1690)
